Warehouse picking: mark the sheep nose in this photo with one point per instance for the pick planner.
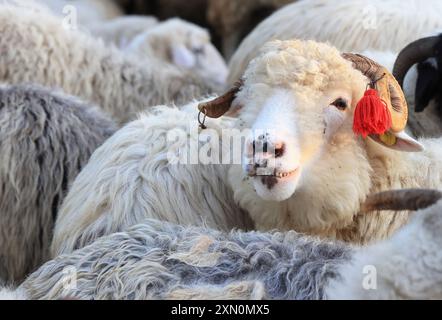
(263, 146)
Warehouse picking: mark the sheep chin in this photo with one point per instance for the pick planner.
(271, 188)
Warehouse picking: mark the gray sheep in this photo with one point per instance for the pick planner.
(158, 260)
(45, 140)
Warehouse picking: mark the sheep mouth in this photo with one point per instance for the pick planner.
(278, 177)
(277, 174)
(283, 175)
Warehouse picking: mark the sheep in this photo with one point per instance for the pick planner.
(184, 45)
(141, 156)
(87, 11)
(151, 261)
(314, 183)
(417, 70)
(350, 25)
(36, 47)
(234, 19)
(305, 169)
(157, 260)
(46, 139)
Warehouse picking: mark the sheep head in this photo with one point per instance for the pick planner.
(186, 46)
(299, 97)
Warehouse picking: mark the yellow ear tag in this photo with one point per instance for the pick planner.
(388, 138)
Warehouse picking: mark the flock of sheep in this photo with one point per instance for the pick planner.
(91, 207)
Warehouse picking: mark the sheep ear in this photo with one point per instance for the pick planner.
(220, 106)
(399, 141)
(183, 57)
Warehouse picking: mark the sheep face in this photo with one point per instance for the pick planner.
(298, 98)
(303, 166)
(289, 133)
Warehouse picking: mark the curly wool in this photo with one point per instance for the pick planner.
(37, 48)
(133, 176)
(46, 139)
(350, 25)
(158, 260)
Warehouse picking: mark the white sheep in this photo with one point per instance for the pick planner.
(350, 25)
(158, 260)
(55, 56)
(314, 176)
(179, 43)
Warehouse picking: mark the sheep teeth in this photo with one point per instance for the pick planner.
(285, 174)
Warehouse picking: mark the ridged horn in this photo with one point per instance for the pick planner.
(401, 200)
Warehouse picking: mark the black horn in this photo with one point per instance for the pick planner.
(415, 52)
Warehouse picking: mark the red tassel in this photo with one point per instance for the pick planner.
(371, 115)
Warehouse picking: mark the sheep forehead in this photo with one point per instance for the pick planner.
(296, 63)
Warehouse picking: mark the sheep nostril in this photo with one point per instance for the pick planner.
(279, 151)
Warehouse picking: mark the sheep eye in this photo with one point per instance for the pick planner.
(340, 103)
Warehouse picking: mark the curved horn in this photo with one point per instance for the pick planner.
(415, 52)
(389, 89)
(220, 106)
(402, 200)
(368, 67)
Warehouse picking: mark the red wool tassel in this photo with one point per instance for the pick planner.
(371, 115)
